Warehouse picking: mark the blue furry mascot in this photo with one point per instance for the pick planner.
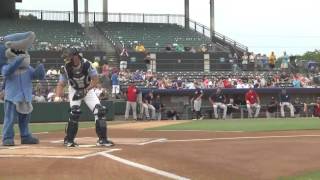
(18, 76)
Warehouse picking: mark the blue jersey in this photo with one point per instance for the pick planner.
(114, 79)
(284, 98)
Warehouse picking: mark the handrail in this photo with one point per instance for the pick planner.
(132, 17)
(222, 37)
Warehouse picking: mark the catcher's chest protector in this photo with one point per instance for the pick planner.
(79, 78)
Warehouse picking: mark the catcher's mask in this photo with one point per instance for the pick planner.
(68, 55)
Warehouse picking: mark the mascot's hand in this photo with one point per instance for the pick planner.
(79, 94)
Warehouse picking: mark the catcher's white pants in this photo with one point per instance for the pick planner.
(289, 105)
(133, 105)
(250, 109)
(222, 106)
(90, 99)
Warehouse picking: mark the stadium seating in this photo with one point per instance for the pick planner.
(50, 34)
(154, 36)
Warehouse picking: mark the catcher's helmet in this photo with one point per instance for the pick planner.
(68, 53)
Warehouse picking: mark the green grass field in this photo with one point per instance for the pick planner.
(306, 176)
(248, 125)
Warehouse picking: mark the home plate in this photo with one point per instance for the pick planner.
(91, 141)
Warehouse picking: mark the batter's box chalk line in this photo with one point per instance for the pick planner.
(87, 141)
(59, 156)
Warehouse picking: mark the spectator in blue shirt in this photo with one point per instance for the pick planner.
(115, 84)
(296, 82)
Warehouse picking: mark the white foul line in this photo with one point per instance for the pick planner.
(153, 141)
(197, 131)
(144, 167)
(237, 138)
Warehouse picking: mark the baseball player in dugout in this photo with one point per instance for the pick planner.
(253, 102)
(81, 78)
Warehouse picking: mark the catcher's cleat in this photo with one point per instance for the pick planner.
(105, 143)
(71, 144)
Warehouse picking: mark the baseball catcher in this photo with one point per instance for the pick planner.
(81, 78)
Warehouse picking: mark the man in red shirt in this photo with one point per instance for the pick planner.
(131, 94)
(253, 102)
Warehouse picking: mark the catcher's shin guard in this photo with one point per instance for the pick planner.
(72, 127)
(101, 125)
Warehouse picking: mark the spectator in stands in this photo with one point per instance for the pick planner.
(253, 102)
(205, 82)
(148, 75)
(218, 100)
(245, 60)
(51, 95)
(147, 61)
(147, 105)
(296, 81)
(140, 48)
(137, 76)
(105, 70)
(158, 106)
(96, 65)
(179, 83)
(264, 59)
(168, 47)
(124, 55)
(285, 101)
(197, 101)
(193, 50)
(258, 62)
(179, 48)
(203, 48)
(39, 98)
(272, 108)
(252, 59)
(226, 83)
(285, 61)
(52, 72)
(123, 65)
(131, 96)
(189, 85)
(272, 60)
(115, 85)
